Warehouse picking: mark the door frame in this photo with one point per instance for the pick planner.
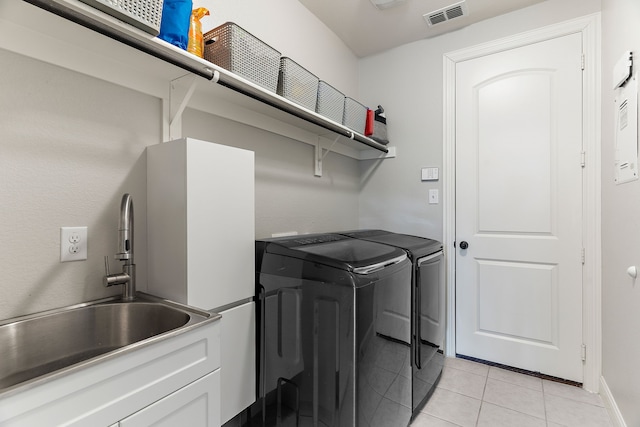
(589, 27)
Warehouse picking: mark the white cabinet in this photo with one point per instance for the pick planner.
(238, 358)
(108, 391)
(196, 405)
(201, 247)
(200, 223)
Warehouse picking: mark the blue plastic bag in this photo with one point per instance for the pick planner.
(174, 27)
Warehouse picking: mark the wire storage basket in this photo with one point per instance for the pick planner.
(297, 84)
(355, 115)
(235, 49)
(143, 14)
(330, 102)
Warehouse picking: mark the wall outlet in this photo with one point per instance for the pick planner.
(73, 244)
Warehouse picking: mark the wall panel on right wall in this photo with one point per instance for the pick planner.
(620, 227)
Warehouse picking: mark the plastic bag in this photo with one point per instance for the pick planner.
(380, 126)
(196, 42)
(174, 27)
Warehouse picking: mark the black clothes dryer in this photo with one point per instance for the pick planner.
(334, 333)
(428, 307)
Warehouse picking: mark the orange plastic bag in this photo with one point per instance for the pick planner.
(196, 42)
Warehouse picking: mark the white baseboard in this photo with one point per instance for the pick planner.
(610, 403)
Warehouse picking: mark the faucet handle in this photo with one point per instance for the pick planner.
(114, 279)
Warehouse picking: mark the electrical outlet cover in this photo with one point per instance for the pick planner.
(73, 244)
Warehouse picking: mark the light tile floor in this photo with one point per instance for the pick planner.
(472, 394)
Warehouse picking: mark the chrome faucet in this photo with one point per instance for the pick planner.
(125, 252)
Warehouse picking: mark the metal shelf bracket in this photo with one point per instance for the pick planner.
(320, 154)
(180, 92)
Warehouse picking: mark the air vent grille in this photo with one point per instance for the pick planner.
(437, 18)
(455, 12)
(446, 13)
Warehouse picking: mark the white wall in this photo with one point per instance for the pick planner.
(620, 227)
(288, 196)
(407, 82)
(71, 145)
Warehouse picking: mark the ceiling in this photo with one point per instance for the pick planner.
(368, 30)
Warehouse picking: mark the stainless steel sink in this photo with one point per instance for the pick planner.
(50, 343)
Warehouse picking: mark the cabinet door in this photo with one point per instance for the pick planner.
(238, 359)
(196, 405)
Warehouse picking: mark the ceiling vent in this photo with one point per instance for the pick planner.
(446, 13)
(386, 4)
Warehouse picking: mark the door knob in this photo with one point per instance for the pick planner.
(464, 245)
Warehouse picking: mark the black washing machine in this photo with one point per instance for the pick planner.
(335, 333)
(428, 307)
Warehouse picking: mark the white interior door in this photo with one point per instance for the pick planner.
(519, 207)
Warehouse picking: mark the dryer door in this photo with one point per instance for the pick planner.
(429, 326)
(431, 291)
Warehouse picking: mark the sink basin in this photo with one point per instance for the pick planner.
(32, 347)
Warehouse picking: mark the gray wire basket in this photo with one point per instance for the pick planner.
(355, 115)
(235, 49)
(297, 84)
(143, 14)
(330, 102)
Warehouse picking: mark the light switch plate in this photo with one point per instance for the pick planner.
(429, 174)
(433, 196)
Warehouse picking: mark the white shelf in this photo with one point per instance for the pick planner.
(88, 41)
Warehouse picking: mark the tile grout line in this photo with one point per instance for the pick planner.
(442, 419)
(465, 371)
(461, 394)
(515, 410)
(484, 389)
(519, 385)
(482, 401)
(544, 402)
